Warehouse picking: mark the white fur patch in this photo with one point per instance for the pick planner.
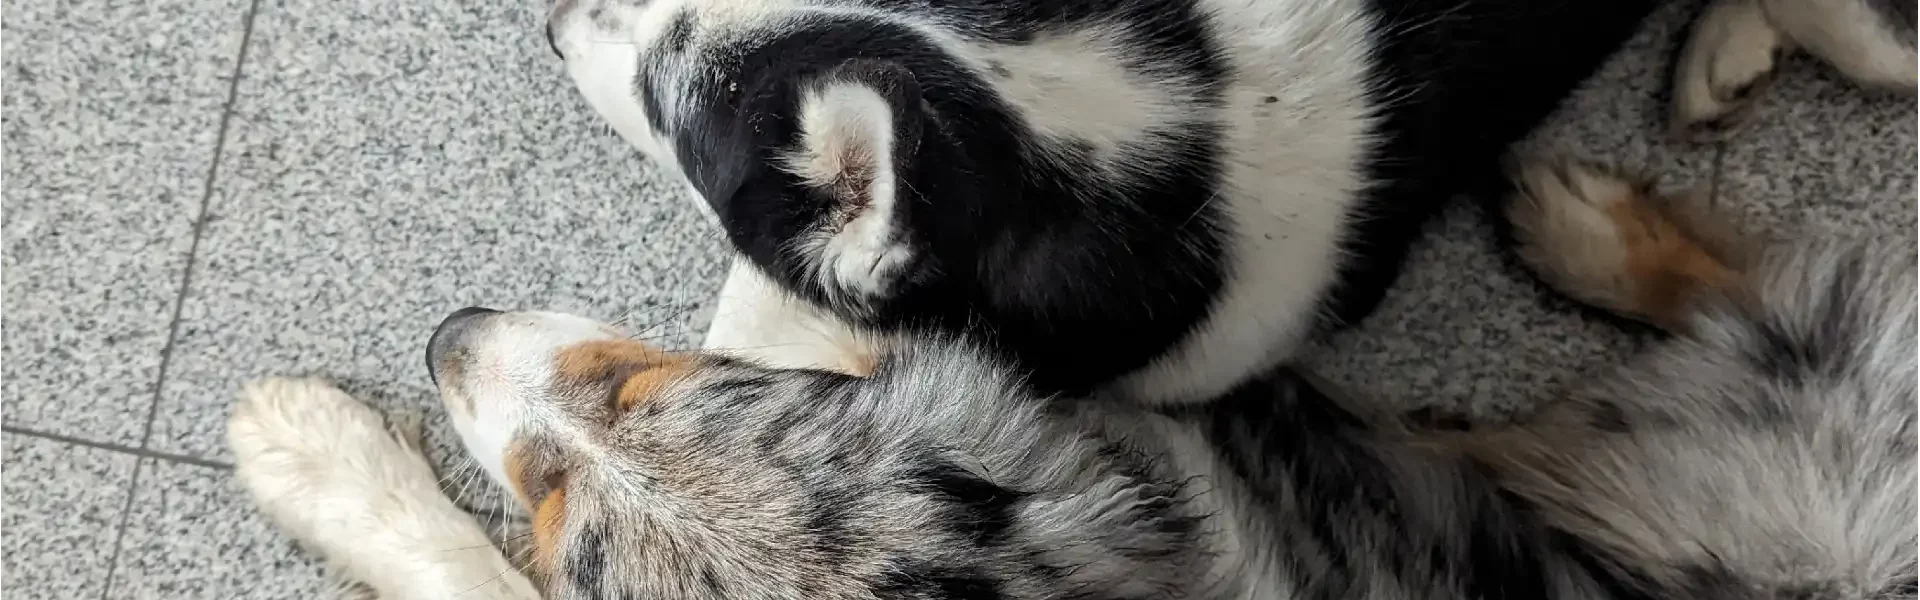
(1732, 46)
(846, 149)
(755, 319)
(1849, 35)
(1296, 123)
(1076, 84)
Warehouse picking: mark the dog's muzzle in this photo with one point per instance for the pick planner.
(558, 15)
(452, 333)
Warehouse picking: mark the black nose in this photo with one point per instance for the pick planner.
(448, 335)
(558, 14)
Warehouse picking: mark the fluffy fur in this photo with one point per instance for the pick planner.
(1767, 451)
(941, 476)
(1736, 44)
(1152, 199)
(328, 470)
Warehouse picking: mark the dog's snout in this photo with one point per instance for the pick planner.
(551, 44)
(449, 335)
(555, 17)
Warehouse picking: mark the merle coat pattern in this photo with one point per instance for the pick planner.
(1765, 453)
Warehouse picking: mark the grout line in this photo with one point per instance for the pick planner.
(1713, 179)
(140, 452)
(120, 531)
(186, 283)
(199, 227)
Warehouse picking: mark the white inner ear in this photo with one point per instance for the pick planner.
(846, 151)
(846, 137)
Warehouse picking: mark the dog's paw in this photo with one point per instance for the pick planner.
(1566, 229)
(1729, 58)
(339, 478)
(1609, 240)
(298, 439)
(299, 419)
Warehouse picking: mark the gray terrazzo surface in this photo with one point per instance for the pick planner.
(200, 193)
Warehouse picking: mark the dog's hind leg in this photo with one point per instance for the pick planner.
(1871, 41)
(1729, 57)
(1612, 241)
(328, 470)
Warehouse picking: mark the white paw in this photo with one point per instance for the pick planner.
(304, 423)
(1864, 41)
(1729, 58)
(330, 472)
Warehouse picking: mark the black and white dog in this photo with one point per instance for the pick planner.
(1157, 199)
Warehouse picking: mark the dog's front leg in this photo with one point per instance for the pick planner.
(757, 320)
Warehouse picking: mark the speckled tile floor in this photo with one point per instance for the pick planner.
(198, 193)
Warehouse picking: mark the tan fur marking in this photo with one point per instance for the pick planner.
(1666, 267)
(645, 370)
(1611, 241)
(515, 466)
(641, 387)
(549, 521)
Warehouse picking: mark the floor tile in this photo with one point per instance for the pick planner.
(433, 157)
(1465, 328)
(1822, 155)
(64, 503)
(193, 533)
(112, 113)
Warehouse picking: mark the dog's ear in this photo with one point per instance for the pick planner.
(858, 124)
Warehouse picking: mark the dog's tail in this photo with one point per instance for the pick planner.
(327, 469)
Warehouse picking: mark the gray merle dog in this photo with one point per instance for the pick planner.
(1767, 450)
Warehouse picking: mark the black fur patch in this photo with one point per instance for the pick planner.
(928, 582)
(1795, 352)
(1454, 69)
(1608, 416)
(1282, 434)
(588, 562)
(1618, 582)
(1017, 253)
(980, 510)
